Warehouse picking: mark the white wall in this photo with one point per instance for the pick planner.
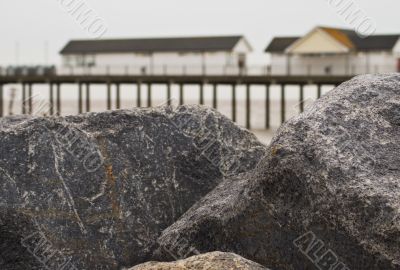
(396, 48)
(278, 63)
(379, 62)
(317, 41)
(159, 62)
(341, 64)
(242, 47)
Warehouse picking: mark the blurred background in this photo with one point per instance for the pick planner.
(233, 39)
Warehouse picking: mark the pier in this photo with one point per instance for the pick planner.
(84, 83)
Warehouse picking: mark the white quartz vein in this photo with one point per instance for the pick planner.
(68, 192)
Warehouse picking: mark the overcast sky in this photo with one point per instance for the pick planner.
(32, 24)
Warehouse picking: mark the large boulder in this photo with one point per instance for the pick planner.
(95, 191)
(209, 261)
(326, 195)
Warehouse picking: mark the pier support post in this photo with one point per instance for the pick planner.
(283, 104)
(234, 102)
(58, 99)
(139, 95)
(181, 94)
(23, 98)
(108, 96)
(301, 98)
(169, 93)
(87, 97)
(51, 99)
(149, 95)
(80, 100)
(1, 100)
(248, 109)
(118, 97)
(201, 93)
(267, 106)
(214, 96)
(30, 97)
(319, 88)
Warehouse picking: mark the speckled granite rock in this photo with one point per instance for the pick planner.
(327, 194)
(209, 261)
(94, 191)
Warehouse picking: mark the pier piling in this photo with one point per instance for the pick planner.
(80, 99)
(139, 95)
(30, 98)
(319, 91)
(267, 106)
(248, 109)
(87, 97)
(214, 96)
(108, 96)
(23, 98)
(201, 93)
(301, 98)
(234, 102)
(283, 103)
(58, 98)
(149, 94)
(181, 94)
(118, 97)
(169, 85)
(51, 99)
(1, 100)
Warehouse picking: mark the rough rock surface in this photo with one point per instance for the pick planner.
(95, 191)
(326, 196)
(209, 261)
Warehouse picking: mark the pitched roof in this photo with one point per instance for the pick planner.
(370, 43)
(279, 44)
(341, 35)
(376, 43)
(188, 44)
(348, 38)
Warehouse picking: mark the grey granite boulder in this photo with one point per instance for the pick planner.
(94, 191)
(326, 195)
(209, 261)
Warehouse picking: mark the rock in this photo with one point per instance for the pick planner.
(326, 195)
(95, 191)
(209, 261)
